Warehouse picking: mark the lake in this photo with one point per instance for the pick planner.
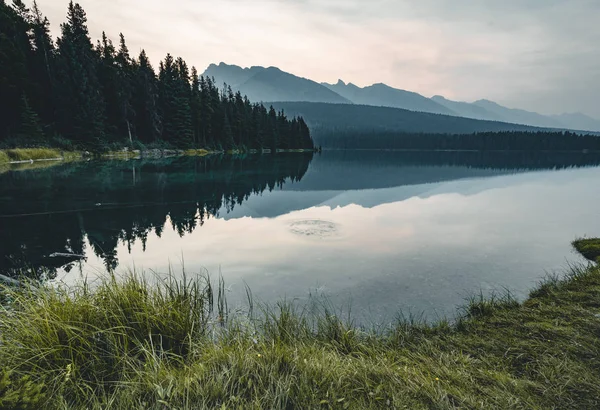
(377, 231)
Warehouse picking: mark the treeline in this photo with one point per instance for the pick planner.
(111, 203)
(481, 141)
(70, 93)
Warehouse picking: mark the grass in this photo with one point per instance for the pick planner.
(35, 154)
(589, 248)
(131, 343)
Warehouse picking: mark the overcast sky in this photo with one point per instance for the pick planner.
(541, 55)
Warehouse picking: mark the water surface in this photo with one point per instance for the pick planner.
(380, 231)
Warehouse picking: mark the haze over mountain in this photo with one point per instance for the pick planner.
(578, 120)
(274, 85)
(386, 96)
(490, 110)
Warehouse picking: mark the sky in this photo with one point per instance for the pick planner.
(539, 55)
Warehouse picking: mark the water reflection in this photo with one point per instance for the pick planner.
(46, 214)
(415, 231)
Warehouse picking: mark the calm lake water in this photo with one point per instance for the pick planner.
(377, 231)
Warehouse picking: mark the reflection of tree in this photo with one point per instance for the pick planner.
(113, 203)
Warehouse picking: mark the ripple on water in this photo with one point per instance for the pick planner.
(314, 228)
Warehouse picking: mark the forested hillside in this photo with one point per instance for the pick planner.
(481, 141)
(343, 117)
(73, 94)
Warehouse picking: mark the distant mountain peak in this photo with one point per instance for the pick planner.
(488, 102)
(271, 84)
(382, 95)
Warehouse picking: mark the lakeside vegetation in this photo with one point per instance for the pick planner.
(73, 95)
(136, 343)
(36, 154)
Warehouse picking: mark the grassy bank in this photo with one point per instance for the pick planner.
(590, 248)
(129, 344)
(35, 154)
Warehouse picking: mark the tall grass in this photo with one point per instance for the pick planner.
(27, 154)
(170, 343)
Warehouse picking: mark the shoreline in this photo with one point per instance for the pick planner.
(175, 345)
(20, 156)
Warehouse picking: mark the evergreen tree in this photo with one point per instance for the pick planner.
(125, 75)
(145, 101)
(81, 107)
(174, 91)
(273, 136)
(30, 129)
(196, 109)
(42, 66)
(14, 50)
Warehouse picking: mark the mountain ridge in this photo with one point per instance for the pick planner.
(380, 94)
(262, 84)
(271, 84)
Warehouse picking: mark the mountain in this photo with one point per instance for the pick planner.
(271, 84)
(578, 121)
(230, 74)
(518, 116)
(262, 84)
(490, 110)
(467, 110)
(382, 95)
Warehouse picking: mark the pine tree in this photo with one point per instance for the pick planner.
(125, 75)
(81, 108)
(30, 130)
(273, 136)
(196, 109)
(145, 101)
(14, 52)
(42, 67)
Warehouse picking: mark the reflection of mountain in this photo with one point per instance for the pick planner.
(369, 178)
(343, 170)
(113, 202)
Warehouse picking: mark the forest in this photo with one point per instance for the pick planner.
(72, 94)
(480, 141)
